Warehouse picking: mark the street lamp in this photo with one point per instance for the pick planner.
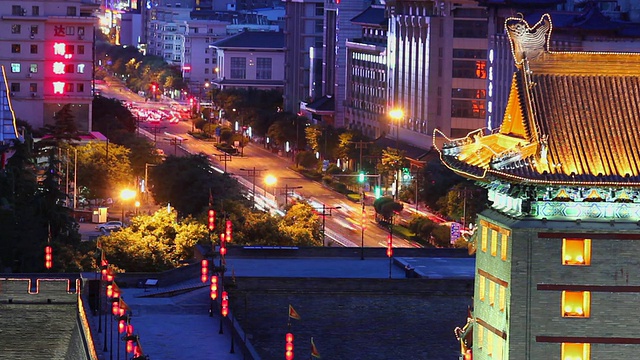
(269, 180)
(125, 195)
(397, 115)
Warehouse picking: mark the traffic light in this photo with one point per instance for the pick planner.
(48, 257)
(153, 87)
(363, 219)
(389, 245)
(224, 305)
(377, 192)
(212, 220)
(214, 287)
(204, 270)
(288, 347)
(361, 178)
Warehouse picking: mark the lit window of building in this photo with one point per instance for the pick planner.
(576, 304)
(571, 351)
(576, 251)
(504, 247)
(483, 238)
(15, 67)
(481, 287)
(494, 243)
(502, 297)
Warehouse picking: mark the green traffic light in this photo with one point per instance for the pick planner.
(361, 177)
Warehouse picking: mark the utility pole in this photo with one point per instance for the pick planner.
(361, 145)
(324, 218)
(223, 157)
(286, 189)
(250, 172)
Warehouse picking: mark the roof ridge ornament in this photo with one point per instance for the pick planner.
(528, 42)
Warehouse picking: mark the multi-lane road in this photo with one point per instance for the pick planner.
(341, 227)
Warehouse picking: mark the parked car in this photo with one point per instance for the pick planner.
(110, 226)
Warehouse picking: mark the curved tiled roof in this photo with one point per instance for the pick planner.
(571, 118)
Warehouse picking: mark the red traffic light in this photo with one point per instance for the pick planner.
(389, 245)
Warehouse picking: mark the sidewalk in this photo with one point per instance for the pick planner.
(169, 328)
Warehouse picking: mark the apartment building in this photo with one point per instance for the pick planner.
(48, 55)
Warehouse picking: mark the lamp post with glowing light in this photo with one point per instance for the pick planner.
(126, 195)
(397, 115)
(269, 180)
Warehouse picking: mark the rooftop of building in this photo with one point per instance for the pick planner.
(252, 40)
(374, 15)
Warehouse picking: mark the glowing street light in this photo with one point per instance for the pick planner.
(269, 180)
(126, 195)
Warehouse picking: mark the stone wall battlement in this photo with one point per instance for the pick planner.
(38, 290)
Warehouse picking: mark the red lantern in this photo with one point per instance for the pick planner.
(115, 308)
(212, 220)
(224, 310)
(204, 270)
(214, 287)
(129, 329)
(288, 347)
(48, 257)
(129, 346)
(228, 230)
(109, 290)
(122, 325)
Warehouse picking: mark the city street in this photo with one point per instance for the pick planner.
(342, 223)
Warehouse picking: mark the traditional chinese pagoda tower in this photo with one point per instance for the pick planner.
(558, 251)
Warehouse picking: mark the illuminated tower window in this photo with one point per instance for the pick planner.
(576, 251)
(576, 304)
(494, 243)
(484, 237)
(481, 285)
(504, 246)
(492, 293)
(576, 351)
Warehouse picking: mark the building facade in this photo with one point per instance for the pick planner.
(556, 274)
(49, 59)
(304, 29)
(250, 60)
(436, 68)
(365, 106)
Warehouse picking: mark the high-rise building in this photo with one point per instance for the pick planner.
(556, 264)
(365, 106)
(304, 29)
(49, 58)
(436, 68)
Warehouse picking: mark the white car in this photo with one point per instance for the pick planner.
(110, 226)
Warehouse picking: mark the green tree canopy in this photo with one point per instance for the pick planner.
(154, 243)
(185, 183)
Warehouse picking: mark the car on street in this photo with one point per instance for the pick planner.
(109, 226)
